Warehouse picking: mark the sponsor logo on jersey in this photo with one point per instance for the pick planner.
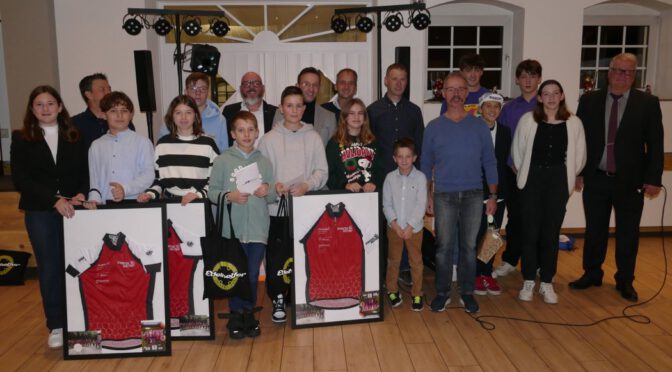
(7, 264)
(225, 275)
(126, 264)
(345, 229)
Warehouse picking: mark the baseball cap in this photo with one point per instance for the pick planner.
(490, 97)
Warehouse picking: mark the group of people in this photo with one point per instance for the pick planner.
(478, 158)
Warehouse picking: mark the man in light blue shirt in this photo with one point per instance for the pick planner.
(121, 162)
(214, 124)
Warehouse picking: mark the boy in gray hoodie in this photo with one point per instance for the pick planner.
(299, 162)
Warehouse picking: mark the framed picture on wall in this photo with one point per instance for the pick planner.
(337, 259)
(116, 290)
(191, 316)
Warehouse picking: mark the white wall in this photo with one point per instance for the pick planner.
(551, 34)
(90, 39)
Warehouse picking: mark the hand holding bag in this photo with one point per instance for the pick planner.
(226, 270)
(491, 242)
(279, 255)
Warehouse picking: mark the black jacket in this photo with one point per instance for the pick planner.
(230, 111)
(39, 179)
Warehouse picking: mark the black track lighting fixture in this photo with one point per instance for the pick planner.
(421, 19)
(192, 26)
(219, 27)
(162, 26)
(132, 25)
(393, 22)
(339, 23)
(364, 23)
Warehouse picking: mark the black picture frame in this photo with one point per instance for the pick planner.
(196, 219)
(99, 244)
(356, 217)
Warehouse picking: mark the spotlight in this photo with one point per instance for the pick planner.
(132, 25)
(162, 26)
(204, 58)
(393, 22)
(219, 27)
(364, 24)
(421, 20)
(192, 27)
(339, 24)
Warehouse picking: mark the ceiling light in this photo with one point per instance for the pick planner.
(339, 24)
(192, 27)
(364, 24)
(162, 26)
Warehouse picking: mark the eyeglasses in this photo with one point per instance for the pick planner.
(620, 71)
(455, 90)
(250, 83)
(306, 84)
(200, 89)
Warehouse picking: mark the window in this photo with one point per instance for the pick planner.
(447, 44)
(601, 43)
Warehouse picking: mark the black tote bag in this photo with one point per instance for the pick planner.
(225, 273)
(279, 254)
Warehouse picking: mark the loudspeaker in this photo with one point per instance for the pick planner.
(144, 79)
(403, 55)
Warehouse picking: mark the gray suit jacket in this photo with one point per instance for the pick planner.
(325, 122)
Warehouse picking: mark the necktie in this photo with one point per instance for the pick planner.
(611, 134)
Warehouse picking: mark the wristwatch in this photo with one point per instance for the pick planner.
(493, 195)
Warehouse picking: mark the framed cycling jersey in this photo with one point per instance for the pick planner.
(337, 258)
(116, 282)
(191, 315)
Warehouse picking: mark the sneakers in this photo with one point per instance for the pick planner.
(527, 291)
(439, 303)
(250, 324)
(55, 339)
(491, 285)
(503, 270)
(395, 298)
(236, 326)
(405, 278)
(469, 303)
(480, 287)
(546, 290)
(279, 314)
(417, 304)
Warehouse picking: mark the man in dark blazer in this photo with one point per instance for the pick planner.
(252, 91)
(624, 138)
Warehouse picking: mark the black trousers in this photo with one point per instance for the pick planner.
(512, 251)
(600, 195)
(543, 203)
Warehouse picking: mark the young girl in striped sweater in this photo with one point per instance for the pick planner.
(184, 157)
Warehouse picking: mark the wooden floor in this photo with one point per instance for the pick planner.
(405, 341)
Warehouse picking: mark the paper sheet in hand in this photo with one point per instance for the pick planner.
(248, 178)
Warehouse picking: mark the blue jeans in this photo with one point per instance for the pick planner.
(451, 209)
(255, 254)
(46, 235)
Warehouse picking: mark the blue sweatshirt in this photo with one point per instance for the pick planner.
(453, 154)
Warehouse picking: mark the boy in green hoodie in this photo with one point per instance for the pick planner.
(249, 212)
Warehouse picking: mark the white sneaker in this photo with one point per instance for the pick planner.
(526, 293)
(454, 273)
(503, 270)
(55, 339)
(546, 290)
(279, 315)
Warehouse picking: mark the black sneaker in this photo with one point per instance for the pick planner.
(405, 278)
(395, 298)
(470, 304)
(418, 303)
(250, 324)
(439, 303)
(236, 326)
(279, 314)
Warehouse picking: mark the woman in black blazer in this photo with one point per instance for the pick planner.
(49, 170)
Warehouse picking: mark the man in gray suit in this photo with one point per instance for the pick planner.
(322, 120)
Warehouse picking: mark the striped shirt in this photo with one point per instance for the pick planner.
(183, 165)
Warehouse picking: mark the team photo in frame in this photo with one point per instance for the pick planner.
(191, 315)
(116, 282)
(337, 259)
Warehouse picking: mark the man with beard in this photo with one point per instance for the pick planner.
(456, 149)
(252, 92)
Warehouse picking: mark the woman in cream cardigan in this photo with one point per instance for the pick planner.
(549, 151)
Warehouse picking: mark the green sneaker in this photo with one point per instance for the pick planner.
(418, 303)
(395, 299)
